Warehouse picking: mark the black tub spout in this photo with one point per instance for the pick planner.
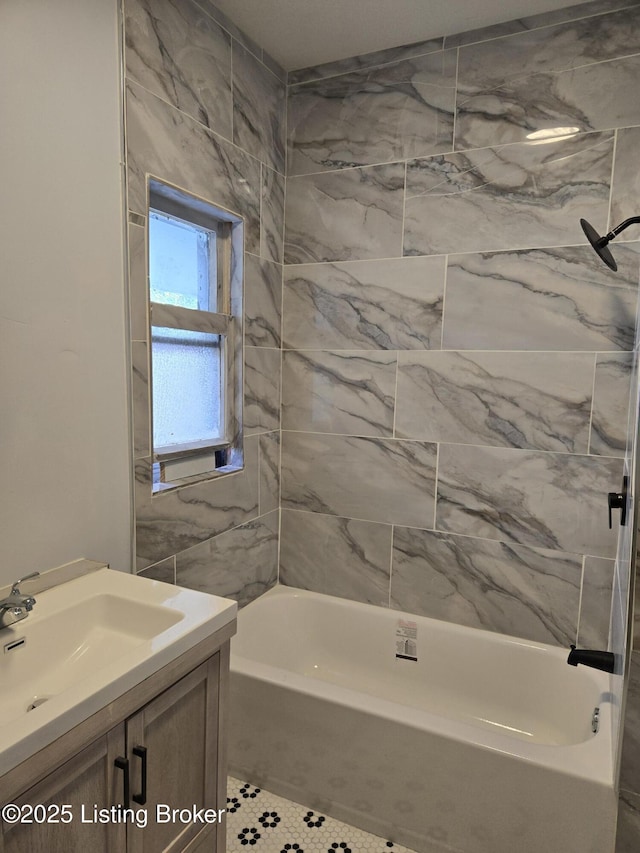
(605, 661)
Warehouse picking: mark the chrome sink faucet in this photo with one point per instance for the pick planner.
(16, 606)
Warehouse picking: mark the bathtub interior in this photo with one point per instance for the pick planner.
(521, 689)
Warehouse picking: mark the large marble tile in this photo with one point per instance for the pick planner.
(510, 197)
(239, 35)
(592, 97)
(352, 214)
(364, 60)
(164, 142)
(394, 112)
(630, 764)
(259, 105)
(179, 53)
(345, 392)
(269, 472)
(261, 389)
(625, 192)
(611, 404)
(172, 521)
(595, 603)
(262, 302)
(540, 299)
(140, 402)
(336, 556)
(240, 564)
(372, 479)
(532, 22)
(391, 304)
(272, 224)
(512, 589)
(538, 400)
(628, 831)
(545, 49)
(547, 500)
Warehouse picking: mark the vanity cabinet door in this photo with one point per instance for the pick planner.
(84, 784)
(176, 737)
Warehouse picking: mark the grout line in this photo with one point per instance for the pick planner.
(455, 101)
(580, 603)
(444, 300)
(391, 565)
(593, 400)
(435, 492)
(395, 397)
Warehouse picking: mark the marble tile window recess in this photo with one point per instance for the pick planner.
(541, 299)
(263, 302)
(272, 223)
(533, 400)
(625, 193)
(353, 214)
(157, 137)
(179, 53)
(370, 479)
(336, 556)
(240, 564)
(172, 521)
(595, 603)
(140, 399)
(259, 105)
(365, 305)
(507, 197)
(611, 404)
(138, 287)
(547, 500)
(512, 589)
(393, 112)
(261, 389)
(593, 97)
(342, 392)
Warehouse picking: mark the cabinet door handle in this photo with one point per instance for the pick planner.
(123, 764)
(141, 752)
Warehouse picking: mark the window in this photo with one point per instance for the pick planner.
(195, 286)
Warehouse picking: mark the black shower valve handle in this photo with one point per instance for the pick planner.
(618, 500)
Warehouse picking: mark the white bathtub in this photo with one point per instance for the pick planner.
(482, 745)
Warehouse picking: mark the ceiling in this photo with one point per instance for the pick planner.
(300, 33)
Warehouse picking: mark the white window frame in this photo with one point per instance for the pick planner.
(180, 464)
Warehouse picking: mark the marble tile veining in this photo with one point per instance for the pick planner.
(261, 389)
(528, 497)
(138, 288)
(534, 400)
(541, 299)
(611, 404)
(373, 479)
(272, 225)
(591, 97)
(240, 564)
(525, 592)
(157, 137)
(262, 302)
(595, 604)
(394, 112)
(625, 193)
(140, 399)
(336, 556)
(180, 54)
(389, 304)
(346, 392)
(258, 109)
(352, 214)
(507, 197)
(269, 472)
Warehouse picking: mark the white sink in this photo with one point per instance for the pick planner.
(85, 643)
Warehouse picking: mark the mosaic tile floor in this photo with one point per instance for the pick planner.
(259, 820)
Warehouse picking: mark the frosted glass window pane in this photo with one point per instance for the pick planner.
(186, 386)
(182, 260)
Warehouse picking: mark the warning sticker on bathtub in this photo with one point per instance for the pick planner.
(406, 640)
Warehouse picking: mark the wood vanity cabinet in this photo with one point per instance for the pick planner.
(167, 734)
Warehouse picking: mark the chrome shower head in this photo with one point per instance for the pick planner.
(600, 243)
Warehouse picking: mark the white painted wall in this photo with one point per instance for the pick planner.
(64, 470)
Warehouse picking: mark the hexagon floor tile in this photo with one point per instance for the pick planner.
(260, 821)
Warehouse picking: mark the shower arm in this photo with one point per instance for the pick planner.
(602, 242)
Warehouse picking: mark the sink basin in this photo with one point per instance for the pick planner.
(84, 644)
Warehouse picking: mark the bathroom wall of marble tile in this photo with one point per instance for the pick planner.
(206, 111)
(456, 359)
